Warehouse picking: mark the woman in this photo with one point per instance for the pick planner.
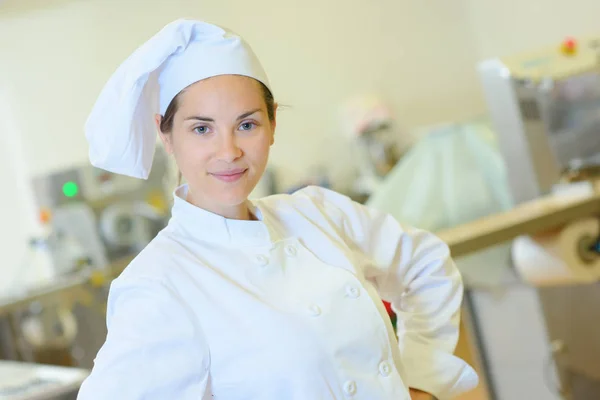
(274, 299)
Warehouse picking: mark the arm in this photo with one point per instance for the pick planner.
(412, 270)
(152, 351)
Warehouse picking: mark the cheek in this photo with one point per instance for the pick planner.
(258, 150)
(189, 153)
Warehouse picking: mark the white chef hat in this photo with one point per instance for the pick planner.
(120, 129)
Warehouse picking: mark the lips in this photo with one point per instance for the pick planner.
(230, 175)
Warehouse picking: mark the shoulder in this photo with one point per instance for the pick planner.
(152, 263)
(146, 287)
(310, 197)
(322, 195)
(324, 208)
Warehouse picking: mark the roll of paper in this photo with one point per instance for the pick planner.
(561, 257)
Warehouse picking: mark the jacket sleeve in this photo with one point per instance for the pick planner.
(412, 269)
(153, 349)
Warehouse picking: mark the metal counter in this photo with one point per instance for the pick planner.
(24, 381)
(72, 286)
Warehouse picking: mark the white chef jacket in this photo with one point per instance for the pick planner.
(284, 308)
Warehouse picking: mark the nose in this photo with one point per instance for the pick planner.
(229, 149)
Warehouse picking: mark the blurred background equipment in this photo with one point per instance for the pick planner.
(101, 216)
(95, 222)
(530, 338)
(545, 108)
(376, 140)
(453, 174)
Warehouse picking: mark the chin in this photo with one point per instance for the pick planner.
(233, 196)
(214, 193)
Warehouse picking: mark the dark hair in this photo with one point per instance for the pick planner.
(166, 124)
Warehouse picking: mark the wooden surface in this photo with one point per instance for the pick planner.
(465, 350)
(530, 218)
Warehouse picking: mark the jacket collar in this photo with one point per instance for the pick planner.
(207, 226)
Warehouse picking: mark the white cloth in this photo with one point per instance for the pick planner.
(288, 307)
(120, 129)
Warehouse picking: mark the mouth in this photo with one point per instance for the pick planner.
(231, 175)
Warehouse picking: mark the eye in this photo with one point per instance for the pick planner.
(201, 130)
(246, 126)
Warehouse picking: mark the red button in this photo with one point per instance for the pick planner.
(569, 46)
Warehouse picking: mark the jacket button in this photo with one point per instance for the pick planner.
(352, 291)
(262, 260)
(315, 310)
(290, 250)
(350, 388)
(384, 368)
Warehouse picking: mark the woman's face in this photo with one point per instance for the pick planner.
(220, 139)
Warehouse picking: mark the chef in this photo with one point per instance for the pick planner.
(274, 299)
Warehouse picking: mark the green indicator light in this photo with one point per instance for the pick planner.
(70, 189)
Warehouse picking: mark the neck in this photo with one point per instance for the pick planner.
(238, 212)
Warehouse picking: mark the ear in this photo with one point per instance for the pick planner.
(166, 138)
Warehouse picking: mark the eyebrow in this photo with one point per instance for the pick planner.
(207, 119)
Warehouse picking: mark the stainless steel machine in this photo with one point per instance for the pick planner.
(545, 106)
(545, 109)
(97, 217)
(96, 223)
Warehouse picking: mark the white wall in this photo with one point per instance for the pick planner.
(17, 214)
